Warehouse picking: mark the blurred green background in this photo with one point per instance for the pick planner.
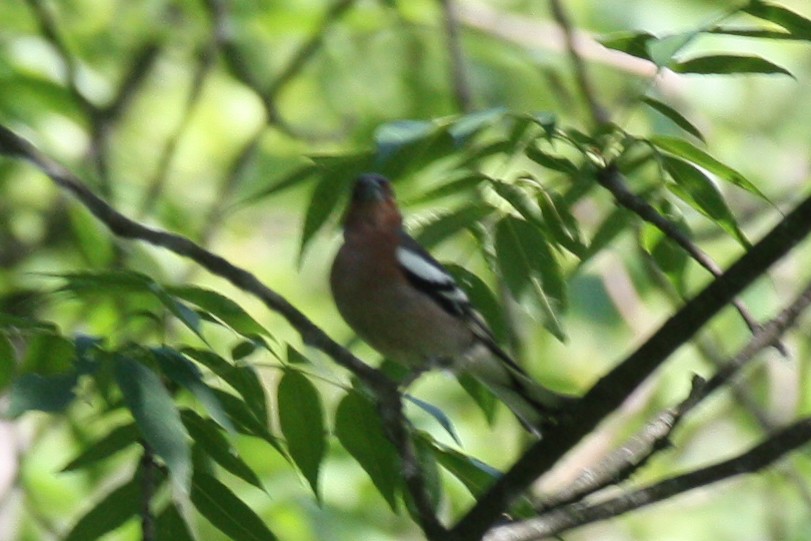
(195, 116)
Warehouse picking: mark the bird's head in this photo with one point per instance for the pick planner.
(373, 205)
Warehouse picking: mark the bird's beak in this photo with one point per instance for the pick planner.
(371, 188)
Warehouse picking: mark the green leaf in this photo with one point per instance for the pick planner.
(668, 256)
(632, 43)
(358, 428)
(207, 435)
(798, 26)
(8, 362)
(559, 222)
(528, 265)
(110, 513)
(688, 151)
(302, 421)
(243, 379)
(41, 393)
(550, 161)
(616, 223)
(676, 117)
(17, 323)
(481, 395)
(521, 201)
(439, 415)
(462, 184)
(291, 179)
(724, 64)
(118, 439)
(170, 526)
(294, 356)
(186, 315)
(186, 374)
(323, 202)
(696, 189)
(222, 307)
(391, 137)
(466, 126)
(442, 227)
(93, 239)
(226, 511)
(474, 474)
(246, 421)
(48, 354)
(156, 416)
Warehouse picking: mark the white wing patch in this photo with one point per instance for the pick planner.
(430, 273)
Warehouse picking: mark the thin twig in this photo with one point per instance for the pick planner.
(762, 455)
(620, 464)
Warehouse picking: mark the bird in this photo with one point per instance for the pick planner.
(407, 306)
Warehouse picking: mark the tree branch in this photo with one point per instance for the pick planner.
(611, 390)
(387, 392)
(762, 455)
(621, 463)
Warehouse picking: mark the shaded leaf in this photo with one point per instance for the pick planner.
(439, 229)
(41, 393)
(323, 203)
(676, 117)
(725, 64)
(156, 416)
(632, 43)
(550, 161)
(118, 439)
(222, 307)
(481, 395)
(110, 513)
(482, 298)
(358, 428)
(528, 265)
(8, 362)
(243, 379)
(208, 436)
(302, 421)
(226, 511)
(393, 136)
(439, 415)
(186, 374)
(466, 126)
(170, 526)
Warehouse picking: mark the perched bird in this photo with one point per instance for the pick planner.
(406, 305)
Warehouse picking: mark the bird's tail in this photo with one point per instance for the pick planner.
(535, 406)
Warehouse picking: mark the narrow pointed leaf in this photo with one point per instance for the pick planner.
(222, 307)
(157, 417)
(632, 43)
(302, 421)
(676, 117)
(110, 513)
(171, 526)
(723, 64)
(323, 203)
(358, 428)
(446, 225)
(226, 511)
(688, 151)
(41, 393)
(798, 26)
(439, 415)
(696, 189)
(113, 442)
(208, 436)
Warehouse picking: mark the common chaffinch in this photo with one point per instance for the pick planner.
(406, 305)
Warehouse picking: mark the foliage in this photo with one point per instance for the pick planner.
(232, 122)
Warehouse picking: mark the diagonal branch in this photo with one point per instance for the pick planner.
(762, 455)
(389, 397)
(611, 390)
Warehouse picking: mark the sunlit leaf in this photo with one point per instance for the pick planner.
(8, 363)
(358, 428)
(466, 126)
(684, 149)
(92, 238)
(226, 511)
(302, 421)
(724, 64)
(550, 161)
(798, 26)
(676, 117)
(156, 416)
(696, 189)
